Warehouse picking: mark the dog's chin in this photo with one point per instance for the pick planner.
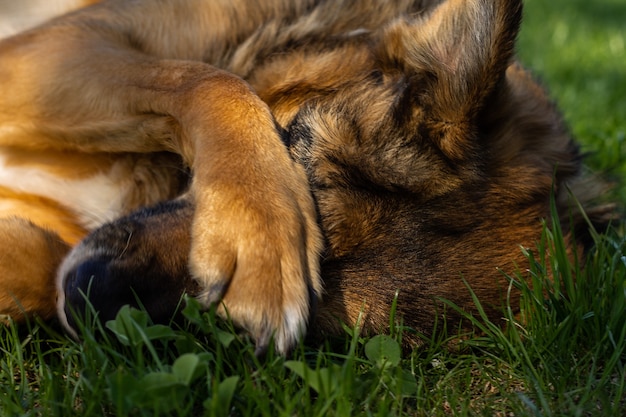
(121, 264)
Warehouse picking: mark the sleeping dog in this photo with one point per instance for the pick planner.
(276, 158)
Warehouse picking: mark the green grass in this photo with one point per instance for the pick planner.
(578, 49)
(566, 358)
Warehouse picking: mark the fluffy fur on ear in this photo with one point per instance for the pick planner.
(463, 48)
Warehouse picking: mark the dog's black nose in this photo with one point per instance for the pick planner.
(89, 289)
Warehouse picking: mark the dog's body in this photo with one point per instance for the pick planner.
(430, 154)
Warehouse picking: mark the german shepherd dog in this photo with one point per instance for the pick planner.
(296, 162)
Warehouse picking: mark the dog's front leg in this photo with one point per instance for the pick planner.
(255, 240)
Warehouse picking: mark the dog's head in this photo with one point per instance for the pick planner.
(435, 167)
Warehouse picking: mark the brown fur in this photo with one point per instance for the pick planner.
(417, 149)
(28, 264)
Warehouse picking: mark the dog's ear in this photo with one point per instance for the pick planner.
(457, 55)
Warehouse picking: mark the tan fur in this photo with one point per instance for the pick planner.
(415, 144)
(29, 258)
(43, 212)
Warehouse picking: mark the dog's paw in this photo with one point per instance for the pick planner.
(255, 251)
